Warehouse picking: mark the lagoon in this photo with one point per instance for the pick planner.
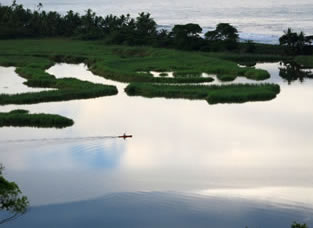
(254, 156)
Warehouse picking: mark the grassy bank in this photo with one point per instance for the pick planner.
(21, 118)
(237, 93)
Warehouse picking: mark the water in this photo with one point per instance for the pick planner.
(161, 210)
(262, 21)
(189, 162)
(11, 83)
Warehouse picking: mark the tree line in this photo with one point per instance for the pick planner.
(296, 43)
(18, 22)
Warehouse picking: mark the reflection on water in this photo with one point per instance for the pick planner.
(179, 145)
(11, 83)
(284, 197)
(156, 209)
(81, 72)
(291, 71)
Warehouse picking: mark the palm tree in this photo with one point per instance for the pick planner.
(293, 41)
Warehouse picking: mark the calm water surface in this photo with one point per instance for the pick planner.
(190, 164)
(11, 83)
(262, 21)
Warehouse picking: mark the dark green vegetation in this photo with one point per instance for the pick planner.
(69, 89)
(18, 22)
(119, 63)
(299, 225)
(226, 36)
(187, 66)
(296, 43)
(251, 73)
(236, 93)
(11, 199)
(304, 61)
(21, 118)
(163, 74)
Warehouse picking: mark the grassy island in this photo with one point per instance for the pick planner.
(236, 93)
(21, 118)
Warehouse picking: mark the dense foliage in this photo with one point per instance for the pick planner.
(18, 22)
(225, 35)
(11, 199)
(296, 43)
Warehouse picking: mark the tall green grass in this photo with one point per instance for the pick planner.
(256, 74)
(121, 63)
(21, 118)
(236, 93)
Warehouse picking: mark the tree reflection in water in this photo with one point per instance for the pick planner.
(290, 71)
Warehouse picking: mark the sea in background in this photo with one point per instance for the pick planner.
(261, 21)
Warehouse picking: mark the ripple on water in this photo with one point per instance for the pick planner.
(162, 209)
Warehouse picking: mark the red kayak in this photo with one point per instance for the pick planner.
(125, 136)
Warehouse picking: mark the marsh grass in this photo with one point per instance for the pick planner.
(226, 77)
(65, 89)
(256, 74)
(121, 63)
(21, 118)
(235, 93)
(304, 61)
(163, 74)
